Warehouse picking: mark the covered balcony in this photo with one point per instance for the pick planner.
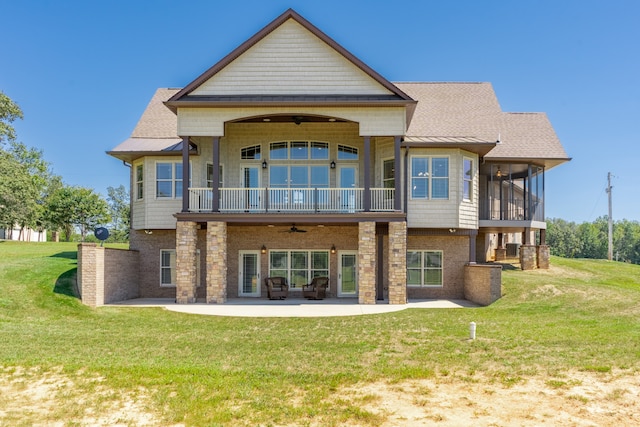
(512, 196)
(292, 200)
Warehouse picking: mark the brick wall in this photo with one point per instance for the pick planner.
(106, 275)
(455, 255)
(482, 283)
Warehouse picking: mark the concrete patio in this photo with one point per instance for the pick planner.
(291, 307)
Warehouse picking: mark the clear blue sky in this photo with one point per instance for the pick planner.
(83, 72)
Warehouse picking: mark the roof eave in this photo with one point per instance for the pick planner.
(479, 148)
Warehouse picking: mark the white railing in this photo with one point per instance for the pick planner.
(335, 200)
(382, 199)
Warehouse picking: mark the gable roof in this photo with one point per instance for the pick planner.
(187, 97)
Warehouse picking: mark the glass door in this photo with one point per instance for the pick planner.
(249, 274)
(348, 182)
(251, 184)
(348, 274)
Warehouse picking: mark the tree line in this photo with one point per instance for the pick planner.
(33, 197)
(591, 239)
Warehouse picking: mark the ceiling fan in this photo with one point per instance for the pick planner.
(294, 229)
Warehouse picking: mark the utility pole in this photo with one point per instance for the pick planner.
(610, 252)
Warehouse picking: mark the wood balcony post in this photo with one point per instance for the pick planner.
(216, 174)
(185, 174)
(366, 199)
(397, 199)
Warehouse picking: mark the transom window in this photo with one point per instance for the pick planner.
(424, 268)
(250, 153)
(429, 177)
(299, 150)
(347, 153)
(299, 266)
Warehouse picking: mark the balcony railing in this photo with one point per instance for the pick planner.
(302, 200)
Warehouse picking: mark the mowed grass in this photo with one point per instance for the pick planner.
(206, 370)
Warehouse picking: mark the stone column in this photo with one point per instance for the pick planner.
(367, 262)
(528, 255)
(216, 262)
(543, 256)
(397, 262)
(186, 239)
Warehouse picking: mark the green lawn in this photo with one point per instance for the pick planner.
(206, 370)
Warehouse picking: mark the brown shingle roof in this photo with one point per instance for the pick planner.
(157, 121)
(471, 111)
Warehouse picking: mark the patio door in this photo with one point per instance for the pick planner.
(251, 183)
(249, 274)
(348, 274)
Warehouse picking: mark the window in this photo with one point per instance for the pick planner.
(299, 150)
(250, 153)
(293, 176)
(347, 153)
(168, 267)
(169, 179)
(388, 174)
(299, 266)
(420, 177)
(440, 178)
(139, 182)
(424, 268)
(467, 178)
(210, 176)
(429, 177)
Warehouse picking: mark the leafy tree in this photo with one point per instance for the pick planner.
(9, 112)
(24, 179)
(120, 210)
(77, 206)
(562, 238)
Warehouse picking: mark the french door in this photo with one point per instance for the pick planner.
(251, 182)
(348, 181)
(249, 274)
(348, 274)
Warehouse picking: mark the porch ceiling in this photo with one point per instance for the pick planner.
(497, 226)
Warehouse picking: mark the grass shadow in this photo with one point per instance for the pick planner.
(67, 255)
(67, 284)
(509, 266)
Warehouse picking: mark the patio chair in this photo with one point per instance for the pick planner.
(277, 287)
(317, 289)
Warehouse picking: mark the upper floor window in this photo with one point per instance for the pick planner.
(169, 179)
(429, 177)
(388, 174)
(210, 176)
(139, 182)
(347, 153)
(250, 153)
(299, 150)
(467, 178)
